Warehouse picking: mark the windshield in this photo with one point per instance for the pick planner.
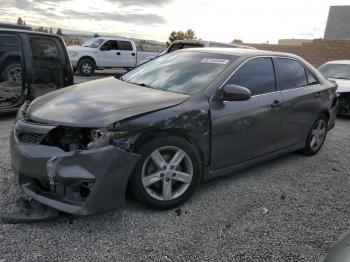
(338, 71)
(182, 72)
(93, 43)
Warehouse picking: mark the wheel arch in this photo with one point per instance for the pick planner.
(89, 58)
(143, 138)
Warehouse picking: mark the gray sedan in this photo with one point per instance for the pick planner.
(184, 117)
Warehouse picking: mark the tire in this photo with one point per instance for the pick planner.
(86, 67)
(13, 72)
(161, 188)
(316, 137)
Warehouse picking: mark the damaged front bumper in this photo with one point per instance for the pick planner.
(77, 182)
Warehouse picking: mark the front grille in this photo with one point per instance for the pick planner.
(30, 138)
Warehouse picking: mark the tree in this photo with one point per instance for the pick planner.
(96, 35)
(19, 21)
(24, 22)
(180, 35)
(59, 31)
(237, 41)
(41, 29)
(190, 34)
(51, 32)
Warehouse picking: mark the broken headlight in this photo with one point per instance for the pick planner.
(103, 137)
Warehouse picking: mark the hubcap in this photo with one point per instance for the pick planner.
(167, 173)
(318, 134)
(87, 68)
(15, 74)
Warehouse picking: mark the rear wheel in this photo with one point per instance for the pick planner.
(86, 67)
(167, 174)
(13, 72)
(316, 137)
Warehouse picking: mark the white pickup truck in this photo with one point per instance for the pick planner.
(106, 52)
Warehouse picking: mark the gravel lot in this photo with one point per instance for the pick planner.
(293, 208)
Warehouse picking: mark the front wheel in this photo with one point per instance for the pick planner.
(316, 136)
(167, 173)
(86, 67)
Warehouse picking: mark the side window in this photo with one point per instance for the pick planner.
(109, 45)
(292, 74)
(258, 75)
(311, 79)
(10, 70)
(125, 45)
(44, 48)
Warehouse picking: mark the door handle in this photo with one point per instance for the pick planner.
(317, 95)
(133, 54)
(276, 104)
(118, 53)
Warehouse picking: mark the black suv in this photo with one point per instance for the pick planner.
(31, 64)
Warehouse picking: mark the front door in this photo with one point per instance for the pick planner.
(109, 55)
(244, 130)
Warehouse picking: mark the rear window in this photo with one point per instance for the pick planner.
(125, 45)
(292, 74)
(179, 46)
(338, 71)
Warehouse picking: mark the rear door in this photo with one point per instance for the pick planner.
(302, 95)
(244, 130)
(11, 82)
(48, 70)
(127, 53)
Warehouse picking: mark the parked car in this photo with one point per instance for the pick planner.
(339, 71)
(106, 52)
(181, 118)
(43, 59)
(183, 44)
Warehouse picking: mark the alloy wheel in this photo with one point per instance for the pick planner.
(318, 134)
(167, 173)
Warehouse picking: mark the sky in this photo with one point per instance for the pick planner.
(220, 20)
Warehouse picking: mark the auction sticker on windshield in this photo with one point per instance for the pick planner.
(215, 61)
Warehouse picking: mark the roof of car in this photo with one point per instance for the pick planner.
(343, 62)
(111, 38)
(25, 32)
(239, 52)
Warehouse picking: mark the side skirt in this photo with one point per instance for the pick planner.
(211, 174)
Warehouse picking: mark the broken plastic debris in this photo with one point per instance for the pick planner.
(30, 211)
(265, 210)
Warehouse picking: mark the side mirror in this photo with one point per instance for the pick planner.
(233, 93)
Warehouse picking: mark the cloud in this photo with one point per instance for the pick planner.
(53, 10)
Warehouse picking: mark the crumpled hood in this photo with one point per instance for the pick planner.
(343, 85)
(99, 103)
